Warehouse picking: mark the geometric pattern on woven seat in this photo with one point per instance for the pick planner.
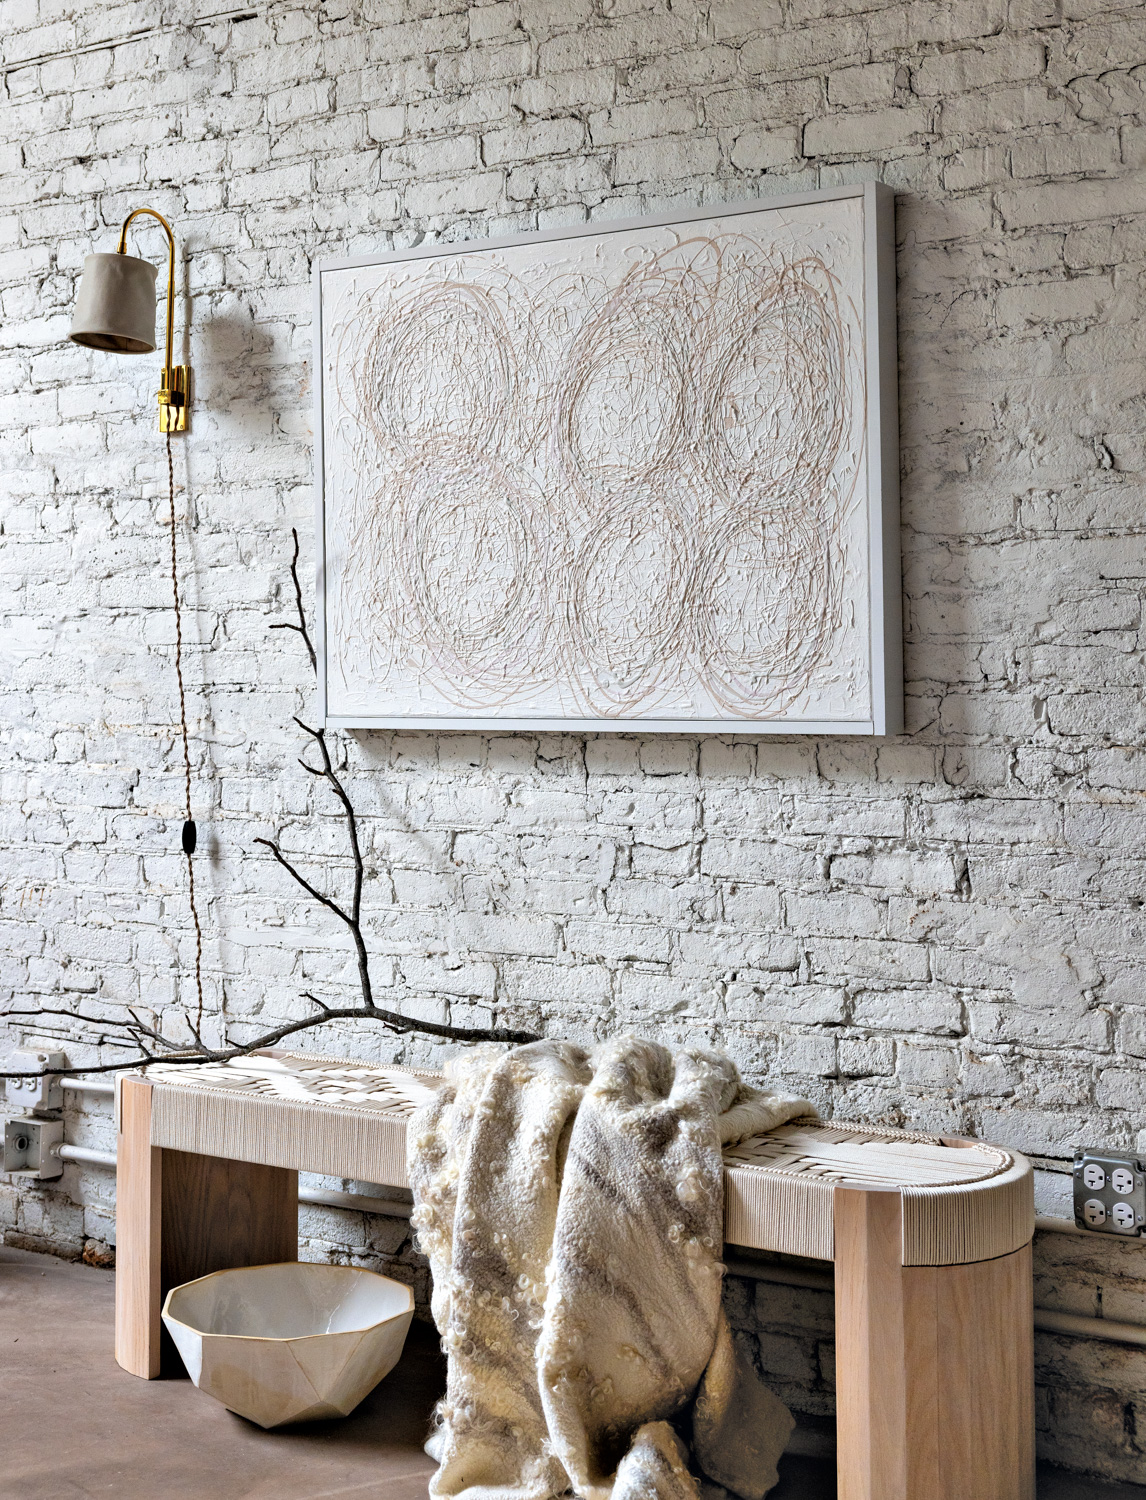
(843, 1153)
(834, 1153)
(306, 1079)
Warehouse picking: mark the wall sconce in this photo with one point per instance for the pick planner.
(115, 310)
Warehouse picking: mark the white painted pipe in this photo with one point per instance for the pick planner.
(394, 1208)
(1048, 1320)
(83, 1086)
(815, 1281)
(85, 1154)
(1074, 1325)
(1059, 1226)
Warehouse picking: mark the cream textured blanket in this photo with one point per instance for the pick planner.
(571, 1206)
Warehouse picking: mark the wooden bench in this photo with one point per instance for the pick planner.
(930, 1237)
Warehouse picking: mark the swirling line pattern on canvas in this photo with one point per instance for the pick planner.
(630, 492)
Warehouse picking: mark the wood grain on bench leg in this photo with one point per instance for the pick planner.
(871, 1396)
(934, 1366)
(137, 1233)
(985, 1408)
(218, 1213)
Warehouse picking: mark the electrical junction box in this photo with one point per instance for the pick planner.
(28, 1147)
(1109, 1192)
(36, 1095)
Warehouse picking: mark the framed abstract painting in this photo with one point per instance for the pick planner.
(633, 475)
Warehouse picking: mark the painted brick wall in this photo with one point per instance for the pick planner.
(945, 929)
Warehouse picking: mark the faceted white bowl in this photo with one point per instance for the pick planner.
(290, 1342)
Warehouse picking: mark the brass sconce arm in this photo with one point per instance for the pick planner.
(175, 380)
(115, 311)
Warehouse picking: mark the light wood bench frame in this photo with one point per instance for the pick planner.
(934, 1362)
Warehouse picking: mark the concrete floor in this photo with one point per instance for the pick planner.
(74, 1425)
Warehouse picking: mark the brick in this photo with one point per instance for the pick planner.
(545, 138)
(1061, 155)
(1053, 302)
(585, 987)
(617, 941)
(387, 124)
(866, 957)
(627, 122)
(881, 130)
(744, 18)
(865, 1057)
(446, 156)
(471, 194)
(274, 185)
(682, 70)
(582, 89)
(301, 102)
(762, 1000)
(1073, 202)
(927, 1067)
(1122, 1088)
(506, 934)
(809, 1054)
(562, 181)
(833, 42)
(780, 103)
(836, 913)
(858, 86)
(975, 68)
(666, 159)
(908, 1011)
(758, 150)
(999, 110)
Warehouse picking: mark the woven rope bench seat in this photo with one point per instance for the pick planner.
(963, 1201)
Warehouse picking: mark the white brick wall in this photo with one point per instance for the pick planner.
(944, 930)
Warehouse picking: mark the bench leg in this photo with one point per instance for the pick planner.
(137, 1233)
(871, 1385)
(934, 1366)
(180, 1215)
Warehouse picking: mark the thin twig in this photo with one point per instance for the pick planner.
(302, 880)
(300, 628)
(353, 917)
(319, 736)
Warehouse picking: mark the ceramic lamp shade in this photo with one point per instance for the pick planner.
(115, 306)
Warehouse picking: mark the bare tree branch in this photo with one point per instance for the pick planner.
(300, 628)
(302, 880)
(392, 1020)
(153, 1047)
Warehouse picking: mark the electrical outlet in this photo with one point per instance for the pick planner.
(1109, 1192)
(28, 1147)
(36, 1095)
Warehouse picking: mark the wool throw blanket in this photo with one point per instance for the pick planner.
(571, 1206)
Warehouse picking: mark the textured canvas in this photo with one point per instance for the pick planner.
(617, 477)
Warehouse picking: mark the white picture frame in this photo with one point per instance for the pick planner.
(375, 671)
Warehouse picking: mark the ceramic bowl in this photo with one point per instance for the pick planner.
(291, 1342)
